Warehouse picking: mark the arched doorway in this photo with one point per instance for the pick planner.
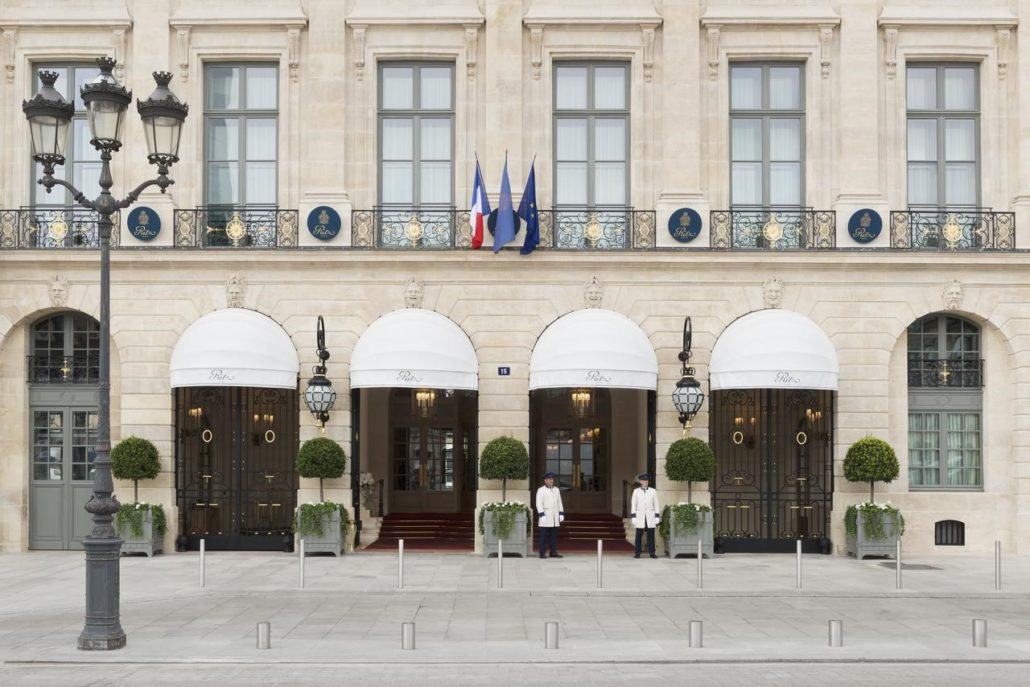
(63, 371)
(773, 379)
(234, 375)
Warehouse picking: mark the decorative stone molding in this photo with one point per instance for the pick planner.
(953, 295)
(359, 51)
(58, 291)
(182, 39)
(890, 50)
(293, 48)
(648, 30)
(825, 45)
(593, 293)
(10, 40)
(235, 291)
(714, 32)
(118, 48)
(536, 43)
(471, 50)
(413, 293)
(772, 293)
(1004, 33)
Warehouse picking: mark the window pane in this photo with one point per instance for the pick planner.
(83, 75)
(436, 139)
(56, 197)
(261, 88)
(571, 139)
(223, 91)
(960, 140)
(960, 184)
(785, 139)
(610, 183)
(397, 139)
(223, 141)
(81, 148)
(785, 183)
(609, 88)
(922, 88)
(86, 178)
(959, 88)
(261, 139)
(435, 184)
(397, 88)
(922, 184)
(222, 179)
(747, 139)
(571, 184)
(746, 88)
(610, 139)
(922, 140)
(747, 183)
(261, 183)
(571, 88)
(397, 182)
(924, 449)
(785, 88)
(436, 88)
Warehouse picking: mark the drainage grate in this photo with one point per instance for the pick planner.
(909, 566)
(949, 533)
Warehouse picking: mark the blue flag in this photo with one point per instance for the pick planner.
(529, 214)
(504, 231)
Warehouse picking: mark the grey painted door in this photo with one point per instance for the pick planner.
(61, 475)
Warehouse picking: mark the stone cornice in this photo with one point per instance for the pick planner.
(766, 15)
(969, 14)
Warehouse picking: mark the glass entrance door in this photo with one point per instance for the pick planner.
(423, 469)
(579, 456)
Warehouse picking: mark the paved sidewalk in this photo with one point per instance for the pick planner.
(349, 615)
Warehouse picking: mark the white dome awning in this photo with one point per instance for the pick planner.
(235, 347)
(593, 348)
(414, 348)
(773, 349)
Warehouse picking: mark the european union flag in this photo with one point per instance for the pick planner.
(528, 213)
(504, 231)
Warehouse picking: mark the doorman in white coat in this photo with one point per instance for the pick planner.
(550, 513)
(646, 514)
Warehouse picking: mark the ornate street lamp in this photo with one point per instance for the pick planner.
(49, 118)
(688, 396)
(320, 396)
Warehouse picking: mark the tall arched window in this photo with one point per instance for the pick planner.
(65, 349)
(945, 403)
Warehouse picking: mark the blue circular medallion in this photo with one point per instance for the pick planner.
(684, 225)
(865, 225)
(324, 223)
(144, 223)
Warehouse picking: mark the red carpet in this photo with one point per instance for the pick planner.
(580, 532)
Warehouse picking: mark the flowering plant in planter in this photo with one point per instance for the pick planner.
(688, 516)
(131, 515)
(874, 517)
(502, 517)
(309, 517)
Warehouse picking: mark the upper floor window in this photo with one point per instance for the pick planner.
(943, 135)
(416, 134)
(241, 134)
(82, 161)
(65, 348)
(591, 134)
(767, 139)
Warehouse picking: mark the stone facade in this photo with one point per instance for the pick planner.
(503, 51)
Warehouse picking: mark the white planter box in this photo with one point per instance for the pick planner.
(861, 546)
(331, 539)
(516, 543)
(149, 543)
(684, 543)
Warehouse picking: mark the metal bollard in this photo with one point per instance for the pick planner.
(997, 565)
(302, 562)
(696, 634)
(400, 564)
(264, 635)
(797, 582)
(979, 633)
(203, 551)
(600, 553)
(500, 564)
(551, 634)
(700, 558)
(408, 636)
(836, 633)
(897, 566)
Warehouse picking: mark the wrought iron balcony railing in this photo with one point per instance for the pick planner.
(42, 227)
(400, 227)
(57, 368)
(773, 228)
(243, 226)
(953, 373)
(953, 229)
(597, 228)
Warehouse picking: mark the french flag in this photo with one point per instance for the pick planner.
(480, 208)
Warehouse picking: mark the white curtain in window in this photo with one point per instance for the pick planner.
(260, 183)
(610, 140)
(747, 183)
(222, 183)
(785, 183)
(435, 183)
(922, 140)
(261, 88)
(963, 450)
(223, 139)
(572, 140)
(960, 184)
(746, 88)
(784, 140)
(746, 139)
(571, 88)
(609, 183)
(261, 139)
(435, 143)
(609, 88)
(436, 88)
(87, 178)
(223, 87)
(397, 88)
(922, 184)
(571, 183)
(960, 140)
(922, 88)
(397, 139)
(959, 88)
(784, 88)
(396, 183)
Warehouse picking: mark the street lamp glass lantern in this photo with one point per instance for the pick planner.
(49, 116)
(320, 396)
(106, 102)
(162, 114)
(688, 398)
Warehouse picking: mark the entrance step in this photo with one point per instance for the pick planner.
(580, 532)
(426, 532)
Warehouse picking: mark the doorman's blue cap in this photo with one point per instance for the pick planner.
(549, 474)
(644, 475)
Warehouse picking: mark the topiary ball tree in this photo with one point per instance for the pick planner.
(871, 460)
(135, 458)
(322, 458)
(690, 460)
(504, 458)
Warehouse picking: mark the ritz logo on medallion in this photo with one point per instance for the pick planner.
(324, 223)
(684, 225)
(144, 223)
(865, 225)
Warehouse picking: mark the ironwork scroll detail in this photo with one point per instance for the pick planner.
(236, 227)
(953, 230)
(53, 228)
(771, 228)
